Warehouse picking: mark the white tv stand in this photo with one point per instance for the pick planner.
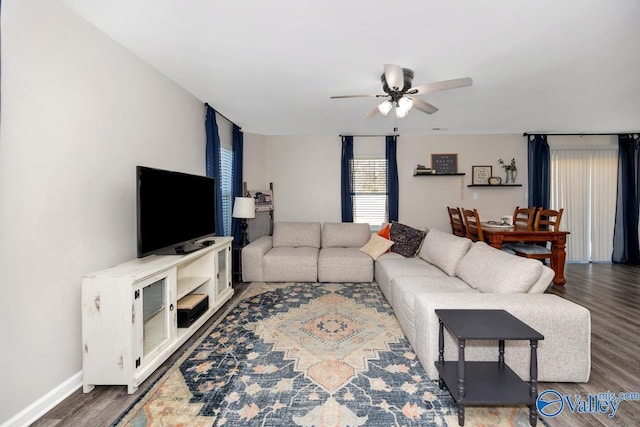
(129, 312)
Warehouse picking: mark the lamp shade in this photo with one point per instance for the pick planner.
(244, 207)
(385, 107)
(404, 105)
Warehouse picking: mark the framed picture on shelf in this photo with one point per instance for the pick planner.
(444, 163)
(481, 174)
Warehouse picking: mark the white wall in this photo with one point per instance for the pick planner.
(253, 161)
(305, 171)
(306, 175)
(78, 113)
(423, 200)
(581, 141)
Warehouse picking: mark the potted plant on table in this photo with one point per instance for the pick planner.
(510, 169)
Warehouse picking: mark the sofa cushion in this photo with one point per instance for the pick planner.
(376, 246)
(344, 235)
(406, 240)
(392, 266)
(344, 265)
(296, 234)
(288, 264)
(405, 289)
(444, 250)
(406, 267)
(488, 269)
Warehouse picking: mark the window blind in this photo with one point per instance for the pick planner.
(226, 187)
(369, 191)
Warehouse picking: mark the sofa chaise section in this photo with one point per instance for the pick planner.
(564, 355)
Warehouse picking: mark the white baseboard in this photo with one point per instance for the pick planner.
(47, 402)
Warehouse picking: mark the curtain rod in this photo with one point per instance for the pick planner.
(206, 104)
(370, 136)
(579, 134)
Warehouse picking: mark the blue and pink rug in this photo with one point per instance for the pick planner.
(305, 354)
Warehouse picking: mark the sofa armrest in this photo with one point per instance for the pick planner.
(252, 255)
(563, 356)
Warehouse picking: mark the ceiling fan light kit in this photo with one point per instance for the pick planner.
(403, 106)
(397, 85)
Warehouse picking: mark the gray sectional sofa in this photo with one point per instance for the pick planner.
(447, 272)
(451, 272)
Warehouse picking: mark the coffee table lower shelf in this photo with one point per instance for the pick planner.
(486, 384)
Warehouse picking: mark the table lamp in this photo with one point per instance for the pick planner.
(243, 208)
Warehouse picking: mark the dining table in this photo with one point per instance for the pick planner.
(497, 234)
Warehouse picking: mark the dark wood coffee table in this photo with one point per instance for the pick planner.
(487, 383)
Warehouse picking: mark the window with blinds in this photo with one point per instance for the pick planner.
(369, 183)
(226, 187)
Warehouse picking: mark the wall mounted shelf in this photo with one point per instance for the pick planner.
(489, 185)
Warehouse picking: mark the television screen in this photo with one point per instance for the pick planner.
(174, 210)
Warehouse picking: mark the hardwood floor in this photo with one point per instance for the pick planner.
(610, 291)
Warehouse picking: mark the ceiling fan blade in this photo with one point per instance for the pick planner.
(372, 113)
(356, 96)
(442, 85)
(394, 76)
(423, 106)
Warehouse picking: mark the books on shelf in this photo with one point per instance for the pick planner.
(423, 171)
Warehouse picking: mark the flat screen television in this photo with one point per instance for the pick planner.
(175, 211)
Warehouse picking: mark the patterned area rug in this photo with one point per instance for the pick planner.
(305, 355)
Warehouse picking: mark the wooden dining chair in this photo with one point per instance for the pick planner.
(457, 223)
(473, 225)
(524, 217)
(546, 219)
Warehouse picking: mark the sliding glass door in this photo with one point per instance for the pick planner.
(583, 182)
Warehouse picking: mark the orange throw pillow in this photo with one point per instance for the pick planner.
(385, 232)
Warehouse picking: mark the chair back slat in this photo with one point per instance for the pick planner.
(473, 225)
(524, 217)
(548, 219)
(457, 223)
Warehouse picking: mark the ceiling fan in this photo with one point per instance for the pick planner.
(396, 83)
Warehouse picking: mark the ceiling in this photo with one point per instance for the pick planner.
(570, 66)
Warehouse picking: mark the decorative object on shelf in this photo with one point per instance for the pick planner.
(423, 170)
(444, 163)
(262, 224)
(494, 180)
(481, 174)
(243, 208)
(510, 169)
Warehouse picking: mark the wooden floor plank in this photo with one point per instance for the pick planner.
(610, 291)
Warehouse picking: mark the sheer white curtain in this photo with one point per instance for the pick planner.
(584, 183)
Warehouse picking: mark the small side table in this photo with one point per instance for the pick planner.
(487, 383)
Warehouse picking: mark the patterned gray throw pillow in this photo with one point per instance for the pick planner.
(407, 240)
